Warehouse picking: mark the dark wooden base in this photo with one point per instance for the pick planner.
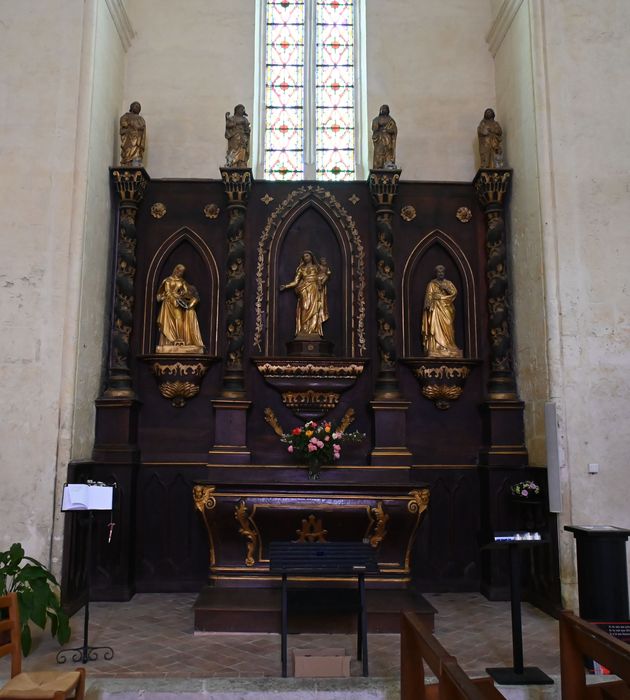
(243, 610)
(310, 347)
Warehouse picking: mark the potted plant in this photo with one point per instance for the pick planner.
(526, 490)
(38, 594)
(316, 444)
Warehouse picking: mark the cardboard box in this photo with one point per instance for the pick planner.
(321, 663)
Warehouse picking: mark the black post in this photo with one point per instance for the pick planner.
(363, 614)
(515, 603)
(284, 626)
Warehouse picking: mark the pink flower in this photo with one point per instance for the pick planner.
(327, 438)
(313, 440)
(524, 492)
(337, 447)
(335, 436)
(290, 448)
(311, 447)
(336, 455)
(320, 444)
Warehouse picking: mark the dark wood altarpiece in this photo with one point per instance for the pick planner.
(204, 481)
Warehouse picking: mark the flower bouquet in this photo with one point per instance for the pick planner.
(316, 444)
(526, 490)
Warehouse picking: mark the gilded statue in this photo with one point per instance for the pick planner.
(438, 317)
(490, 136)
(177, 318)
(310, 284)
(237, 132)
(384, 132)
(133, 130)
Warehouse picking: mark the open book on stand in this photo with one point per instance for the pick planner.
(87, 497)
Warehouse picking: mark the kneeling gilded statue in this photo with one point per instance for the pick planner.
(438, 317)
(177, 318)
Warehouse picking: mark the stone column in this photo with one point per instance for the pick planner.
(503, 412)
(117, 422)
(230, 425)
(388, 406)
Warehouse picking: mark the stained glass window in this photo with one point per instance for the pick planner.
(309, 96)
(334, 90)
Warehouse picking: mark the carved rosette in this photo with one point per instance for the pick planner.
(130, 185)
(179, 377)
(383, 189)
(441, 380)
(492, 187)
(238, 183)
(310, 388)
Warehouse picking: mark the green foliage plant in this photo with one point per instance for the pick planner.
(38, 595)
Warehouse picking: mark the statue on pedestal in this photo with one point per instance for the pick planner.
(177, 318)
(237, 132)
(438, 317)
(384, 132)
(133, 130)
(311, 278)
(490, 141)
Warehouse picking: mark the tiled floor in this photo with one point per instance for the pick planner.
(152, 636)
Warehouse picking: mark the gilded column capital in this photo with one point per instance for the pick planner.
(492, 187)
(238, 184)
(383, 185)
(130, 184)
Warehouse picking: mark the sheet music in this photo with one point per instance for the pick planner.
(87, 497)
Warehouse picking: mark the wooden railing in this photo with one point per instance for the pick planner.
(578, 639)
(418, 647)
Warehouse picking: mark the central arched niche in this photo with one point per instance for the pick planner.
(309, 231)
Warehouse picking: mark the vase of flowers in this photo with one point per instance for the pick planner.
(526, 490)
(317, 444)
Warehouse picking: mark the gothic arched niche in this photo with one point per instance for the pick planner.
(312, 219)
(187, 248)
(309, 231)
(438, 248)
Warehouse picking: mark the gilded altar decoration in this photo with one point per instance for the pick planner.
(353, 199)
(203, 497)
(158, 210)
(266, 198)
(384, 133)
(272, 420)
(211, 211)
(312, 530)
(316, 444)
(408, 213)
(463, 214)
(310, 285)
(438, 317)
(237, 131)
(310, 388)
(178, 380)
(380, 529)
(490, 137)
(177, 318)
(442, 380)
(248, 530)
(133, 130)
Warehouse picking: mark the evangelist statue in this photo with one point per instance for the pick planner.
(177, 318)
(384, 132)
(490, 141)
(438, 317)
(311, 278)
(237, 132)
(133, 131)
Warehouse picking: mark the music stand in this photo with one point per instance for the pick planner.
(84, 497)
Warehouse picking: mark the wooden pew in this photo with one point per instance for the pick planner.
(418, 647)
(578, 639)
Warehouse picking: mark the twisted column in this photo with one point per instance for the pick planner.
(383, 189)
(238, 183)
(129, 185)
(492, 187)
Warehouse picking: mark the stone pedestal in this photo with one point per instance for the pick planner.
(504, 437)
(116, 438)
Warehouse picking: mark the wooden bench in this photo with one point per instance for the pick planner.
(321, 561)
(579, 639)
(418, 647)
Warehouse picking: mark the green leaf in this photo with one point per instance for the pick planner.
(26, 639)
(53, 623)
(63, 630)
